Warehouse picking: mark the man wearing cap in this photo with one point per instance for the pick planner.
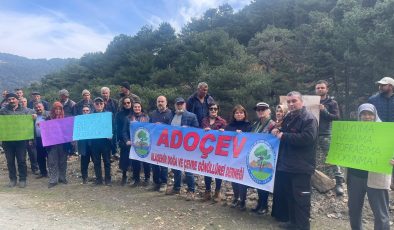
(101, 149)
(183, 118)
(86, 101)
(36, 97)
(384, 103)
(296, 161)
(199, 101)
(125, 92)
(68, 104)
(329, 111)
(15, 149)
(264, 124)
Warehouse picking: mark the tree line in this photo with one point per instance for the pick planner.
(266, 49)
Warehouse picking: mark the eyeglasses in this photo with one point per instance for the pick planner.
(127, 103)
(213, 109)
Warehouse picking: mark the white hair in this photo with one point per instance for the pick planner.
(104, 89)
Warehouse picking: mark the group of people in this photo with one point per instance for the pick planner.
(299, 132)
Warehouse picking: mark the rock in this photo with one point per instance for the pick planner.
(321, 182)
(253, 196)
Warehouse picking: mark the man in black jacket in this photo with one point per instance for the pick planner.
(296, 162)
(15, 149)
(329, 112)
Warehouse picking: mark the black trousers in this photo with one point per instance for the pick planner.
(297, 189)
(262, 202)
(137, 169)
(280, 208)
(85, 160)
(160, 174)
(101, 149)
(32, 153)
(42, 156)
(240, 191)
(124, 160)
(16, 149)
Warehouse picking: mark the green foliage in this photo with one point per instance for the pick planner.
(265, 50)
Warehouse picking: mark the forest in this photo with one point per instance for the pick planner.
(265, 50)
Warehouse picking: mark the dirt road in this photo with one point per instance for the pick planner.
(77, 206)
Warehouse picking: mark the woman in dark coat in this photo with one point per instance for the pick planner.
(138, 115)
(121, 116)
(239, 123)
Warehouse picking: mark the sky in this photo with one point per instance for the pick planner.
(71, 28)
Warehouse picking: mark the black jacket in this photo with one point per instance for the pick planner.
(329, 114)
(297, 151)
(244, 126)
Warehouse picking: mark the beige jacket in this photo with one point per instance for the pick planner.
(378, 180)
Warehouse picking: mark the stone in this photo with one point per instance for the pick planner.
(321, 182)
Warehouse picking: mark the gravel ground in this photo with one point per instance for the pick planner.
(78, 206)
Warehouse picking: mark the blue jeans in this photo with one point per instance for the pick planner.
(178, 180)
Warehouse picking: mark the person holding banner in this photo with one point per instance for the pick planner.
(42, 154)
(183, 118)
(85, 151)
(375, 185)
(239, 123)
(101, 149)
(264, 124)
(57, 155)
(120, 118)
(138, 115)
(296, 161)
(15, 149)
(213, 122)
(161, 115)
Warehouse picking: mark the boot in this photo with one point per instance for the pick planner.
(216, 196)
(258, 207)
(207, 196)
(124, 180)
(338, 186)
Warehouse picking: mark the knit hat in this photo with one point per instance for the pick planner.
(126, 85)
(11, 95)
(64, 92)
(85, 91)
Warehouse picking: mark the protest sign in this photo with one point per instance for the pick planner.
(57, 131)
(362, 145)
(16, 127)
(244, 158)
(92, 126)
(311, 103)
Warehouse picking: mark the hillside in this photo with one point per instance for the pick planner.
(16, 71)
